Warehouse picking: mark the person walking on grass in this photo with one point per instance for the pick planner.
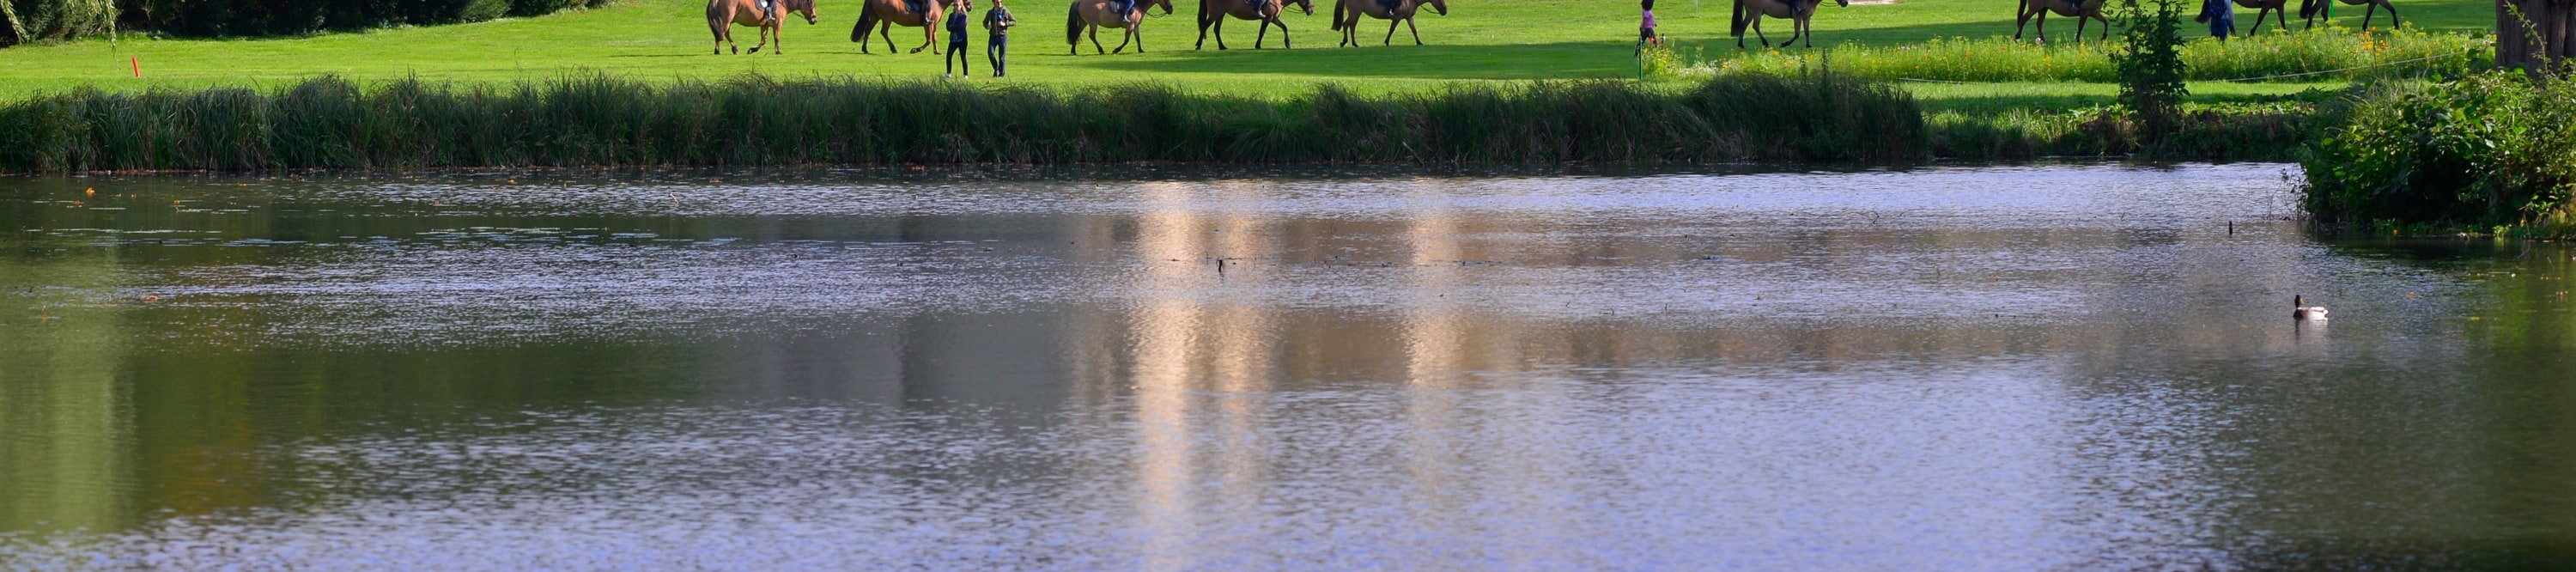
(998, 23)
(1646, 28)
(2220, 16)
(957, 42)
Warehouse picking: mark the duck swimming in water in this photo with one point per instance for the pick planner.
(2300, 310)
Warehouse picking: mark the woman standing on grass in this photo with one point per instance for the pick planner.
(957, 42)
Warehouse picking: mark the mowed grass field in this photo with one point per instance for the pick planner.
(1480, 40)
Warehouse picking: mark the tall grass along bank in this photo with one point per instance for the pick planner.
(2494, 151)
(753, 120)
(2322, 53)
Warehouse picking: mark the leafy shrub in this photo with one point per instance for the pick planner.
(2151, 69)
(2493, 149)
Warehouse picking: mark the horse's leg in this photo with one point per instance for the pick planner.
(1417, 32)
(885, 30)
(1264, 34)
(1757, 30)
(1220, 32)
(2043, 25)
(1095, 41)
(1807, 29)
(2024, 21)
(1390, 32)
(2259, 13)
(1204, 23)
(2079, 28)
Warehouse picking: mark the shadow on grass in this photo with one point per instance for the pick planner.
(1564, 60)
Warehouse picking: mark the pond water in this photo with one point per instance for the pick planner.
(2063, 366)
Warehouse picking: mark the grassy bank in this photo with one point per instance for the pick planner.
(666, 41)
(751, 120)
(2490, 153)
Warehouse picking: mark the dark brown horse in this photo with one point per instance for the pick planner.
(2311, 9)
(1798, 12)
(1347, 13)
(881, 16)
(2080, 10)
(2265, 7)
(1092, 15)
(723, 15)
(1212, 13)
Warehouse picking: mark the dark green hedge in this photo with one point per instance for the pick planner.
(54, 19)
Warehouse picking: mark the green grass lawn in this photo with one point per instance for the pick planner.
(1479, 40)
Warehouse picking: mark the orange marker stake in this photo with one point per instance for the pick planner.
(138, 66)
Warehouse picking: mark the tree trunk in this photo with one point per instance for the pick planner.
(2545, 45)
(15, 32)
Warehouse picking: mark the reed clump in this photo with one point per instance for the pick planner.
(598, 120)
(2324, 53)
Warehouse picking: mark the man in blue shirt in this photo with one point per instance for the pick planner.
(998, 23)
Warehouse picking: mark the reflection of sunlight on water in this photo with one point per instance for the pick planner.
(1784, 371)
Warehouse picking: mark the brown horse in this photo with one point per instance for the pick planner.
(2263, 7)
(881, 16)
(2081, 10)
(2311, 9)
(1092, 15)
(723, 15)
(1265, 11)
(1347, 13)
(1750, 13)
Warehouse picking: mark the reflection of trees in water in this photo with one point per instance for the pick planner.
(65, 421)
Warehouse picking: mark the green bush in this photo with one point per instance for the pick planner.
(754, 120)
(2150, 65)
(2490, 150)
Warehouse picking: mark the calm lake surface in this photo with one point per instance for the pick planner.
(2054, 367)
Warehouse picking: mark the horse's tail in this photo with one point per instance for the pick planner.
(1073, 24)
(867, 21)
(1735, 26)
(1337, 14)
